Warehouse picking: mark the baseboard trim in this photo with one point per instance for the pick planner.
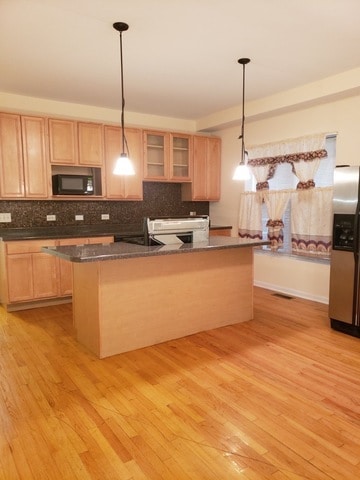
(292, 292)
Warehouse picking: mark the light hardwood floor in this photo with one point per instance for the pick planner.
(274, 398)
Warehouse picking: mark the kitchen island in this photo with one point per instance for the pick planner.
(128, 296)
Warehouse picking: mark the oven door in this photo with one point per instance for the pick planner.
(170, 238)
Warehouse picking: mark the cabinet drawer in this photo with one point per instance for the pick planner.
(28, 246)
(101, 239)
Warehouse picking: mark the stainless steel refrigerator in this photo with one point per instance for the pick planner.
(344, 302)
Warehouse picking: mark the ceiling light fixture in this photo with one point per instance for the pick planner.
(123, 165)
(242, 170)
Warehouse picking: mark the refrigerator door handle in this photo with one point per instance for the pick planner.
(356, 302)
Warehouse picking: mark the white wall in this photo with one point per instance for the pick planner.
(286, 274)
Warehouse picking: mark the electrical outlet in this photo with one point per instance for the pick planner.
(79, 217)
(105, 216)
(50, 218)
(193, 214)
(5, 217)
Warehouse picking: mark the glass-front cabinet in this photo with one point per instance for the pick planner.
(181, 155)
(156, 154)
(167, 156)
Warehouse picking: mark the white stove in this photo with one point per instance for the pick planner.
(177, 230)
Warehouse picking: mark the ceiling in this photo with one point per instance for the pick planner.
(180, 56)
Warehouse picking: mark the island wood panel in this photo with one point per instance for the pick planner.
(123, 305)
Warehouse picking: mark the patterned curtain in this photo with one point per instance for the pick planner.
(276, 202)
(311, 220)
(303, 153)
(250, 215)
(262, 174)
(310, 206)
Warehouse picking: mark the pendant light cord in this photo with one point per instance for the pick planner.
(243, 62)
(122, 27)
(122, 96)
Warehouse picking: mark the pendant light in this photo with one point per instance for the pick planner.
(242, 170)
(123, 165)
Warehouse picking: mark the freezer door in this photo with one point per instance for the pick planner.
(342, 278)
(346, 189)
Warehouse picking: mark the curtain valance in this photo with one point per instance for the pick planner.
(302, 153)
(305, 148)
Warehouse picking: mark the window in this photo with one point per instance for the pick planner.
(285, 179)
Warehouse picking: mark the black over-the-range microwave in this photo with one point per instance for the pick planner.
(72, 184)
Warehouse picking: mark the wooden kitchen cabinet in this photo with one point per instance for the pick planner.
(222, 232)
(206, 172)
(94, 240)
(63, 145)
(65, 267)
(29, 273)
(28, 276)
(76, 143)
(180, 157)
(23, 157)
(36, 173)
(117, 186)
(167, 156)
(156, 155)
(11, 157)
(91, 144)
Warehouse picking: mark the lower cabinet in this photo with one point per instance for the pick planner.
(222, 232)
(28, 275)
(65, 267)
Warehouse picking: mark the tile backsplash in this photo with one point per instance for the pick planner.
(160, 199)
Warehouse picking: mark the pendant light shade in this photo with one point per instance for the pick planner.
(123, 165)
(242, 170)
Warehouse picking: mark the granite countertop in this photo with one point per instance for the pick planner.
(74, 231)
(122, 250)
(69, 231)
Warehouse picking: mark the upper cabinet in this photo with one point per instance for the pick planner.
(36, 168)
(63, 142)
(11, 157)
(206, 172)
(34, 149)
(123, 187)
(76, 143)
(180, 157)
(167, 156)
(91, 144)
(156, 155)
(23, 157)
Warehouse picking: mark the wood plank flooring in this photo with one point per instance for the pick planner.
(274, 398)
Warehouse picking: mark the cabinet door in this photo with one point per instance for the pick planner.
(206, 170)
(63, 142)
(91, 144)
(35, 157)
(199, 187)
(11, 159)
(19, 277)
(94, 240)
(156, 155)
(117, 186)
(213, 168)
(180, 157)
(65, 267)
(44, 267)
